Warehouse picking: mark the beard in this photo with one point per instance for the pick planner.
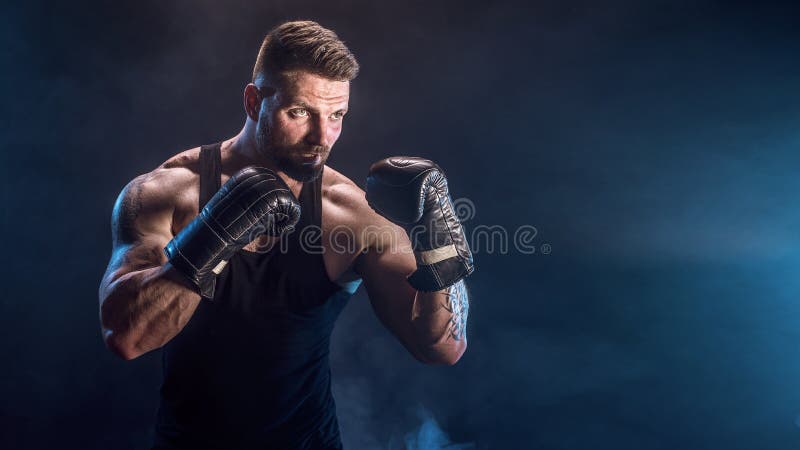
(288, 158)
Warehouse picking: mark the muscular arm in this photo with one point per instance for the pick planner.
(431, 325)
(143, 302)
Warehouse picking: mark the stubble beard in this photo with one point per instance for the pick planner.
(287, 157)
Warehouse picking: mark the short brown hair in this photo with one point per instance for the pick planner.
(304, 45)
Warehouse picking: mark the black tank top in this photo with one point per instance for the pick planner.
(250, 369)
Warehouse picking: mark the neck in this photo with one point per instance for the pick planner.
(243, 152)
(243, 149)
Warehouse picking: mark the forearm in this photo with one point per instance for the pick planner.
(142, 310)
(439, 322)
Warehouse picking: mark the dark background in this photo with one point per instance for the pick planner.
(653, 144)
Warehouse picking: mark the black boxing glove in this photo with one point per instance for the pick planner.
(412, 192)
(254, 201)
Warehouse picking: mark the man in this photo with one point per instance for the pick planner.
(237, 258)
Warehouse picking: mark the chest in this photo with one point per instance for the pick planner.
(337, 246)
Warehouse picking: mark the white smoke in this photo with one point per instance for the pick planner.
(430, 436)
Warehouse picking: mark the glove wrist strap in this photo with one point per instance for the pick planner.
(433, 256)
(440, 275)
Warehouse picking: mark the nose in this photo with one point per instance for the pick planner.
(320, 133)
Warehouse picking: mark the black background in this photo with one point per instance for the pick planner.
(653, 145)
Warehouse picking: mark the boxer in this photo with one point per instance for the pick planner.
(228, 257)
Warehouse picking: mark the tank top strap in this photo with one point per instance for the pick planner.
(210, 172)
(305, 242)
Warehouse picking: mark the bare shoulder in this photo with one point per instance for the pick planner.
(147, 203)
(344, 197)
(345, 205)
(187, 159)
(169, 181)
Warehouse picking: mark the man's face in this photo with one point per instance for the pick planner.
(299, 123)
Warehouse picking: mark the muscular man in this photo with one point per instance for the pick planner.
(236, 258)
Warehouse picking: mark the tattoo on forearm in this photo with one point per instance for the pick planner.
(458, 305)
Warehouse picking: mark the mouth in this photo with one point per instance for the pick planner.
(310, 158)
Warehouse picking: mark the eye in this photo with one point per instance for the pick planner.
(338, 115)
(298, 112)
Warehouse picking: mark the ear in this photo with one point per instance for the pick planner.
(252, 99)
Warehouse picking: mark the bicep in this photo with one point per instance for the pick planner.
(384, 270)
